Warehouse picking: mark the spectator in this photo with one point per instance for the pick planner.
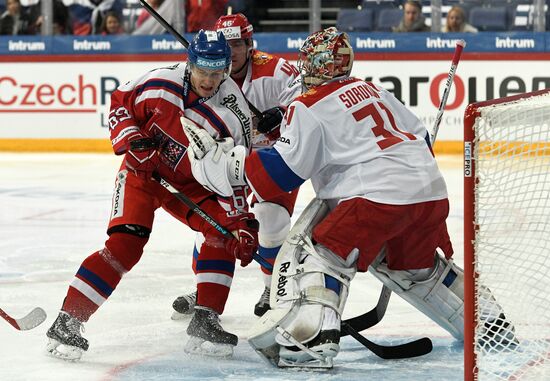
(111, 24)
(60, 17)
(413, 21)
(14, 21)
(144, 15)
(456, 21)
(87, 16)
(203, 14)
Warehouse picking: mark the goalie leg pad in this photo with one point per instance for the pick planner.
(437, 292)
(310, 288)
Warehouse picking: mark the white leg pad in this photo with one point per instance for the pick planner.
(302, 303)
(437, 292)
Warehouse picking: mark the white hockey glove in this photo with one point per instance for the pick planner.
(216, 165)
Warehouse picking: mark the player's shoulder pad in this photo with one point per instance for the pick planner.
(315, 94)
(264, 64)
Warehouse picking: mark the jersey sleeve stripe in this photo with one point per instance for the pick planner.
(214, 119)
(280, 178)
(160, 84)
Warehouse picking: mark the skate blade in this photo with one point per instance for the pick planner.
(198, 346)
(62, 351)
(301, 359)
(312, 364)
(179, 316)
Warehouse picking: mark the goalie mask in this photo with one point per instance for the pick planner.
(325, 55)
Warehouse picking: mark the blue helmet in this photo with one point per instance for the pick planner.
(209, 50)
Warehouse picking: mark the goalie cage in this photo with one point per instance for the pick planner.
(507, 232)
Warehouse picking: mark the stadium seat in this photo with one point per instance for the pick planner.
(388, 18)
(355, 20)
(490, 19)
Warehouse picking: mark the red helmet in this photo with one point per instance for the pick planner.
(234, 27)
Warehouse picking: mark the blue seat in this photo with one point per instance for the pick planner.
(388, 18)
(355, 20)
(490, 19)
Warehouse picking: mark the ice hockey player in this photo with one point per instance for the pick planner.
(145, 128)
(381, 203)
(269, 83)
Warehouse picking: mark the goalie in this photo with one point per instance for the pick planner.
(381, 202)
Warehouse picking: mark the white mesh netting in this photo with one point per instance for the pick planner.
(512, 245)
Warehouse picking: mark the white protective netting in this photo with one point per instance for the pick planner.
(512, 244)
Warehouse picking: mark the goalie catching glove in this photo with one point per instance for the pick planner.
(141, 157)
(216, 165)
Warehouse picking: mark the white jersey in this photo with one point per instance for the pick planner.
(352, 139)
(270, 81)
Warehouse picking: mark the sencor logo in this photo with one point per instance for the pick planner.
(210, 64)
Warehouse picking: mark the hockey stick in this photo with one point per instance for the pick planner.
(413, 349)
(359, 323)
(184, 42)
(370, 318)
(29, 321)
(456, 58)
(201, 213)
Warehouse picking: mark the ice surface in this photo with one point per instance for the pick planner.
(54, 210)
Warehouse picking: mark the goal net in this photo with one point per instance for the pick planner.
(507, 238)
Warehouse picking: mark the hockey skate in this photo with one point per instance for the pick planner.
(321, 351)
(65, 340)
(263, 304)
(206, 335)
(497, 335)
(497, 332)
(184, 306)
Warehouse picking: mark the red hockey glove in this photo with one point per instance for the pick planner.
(270, 122)
(245, 228)
(141, 157)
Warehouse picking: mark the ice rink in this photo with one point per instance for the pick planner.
(54, 210)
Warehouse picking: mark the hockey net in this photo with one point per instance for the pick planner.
(507, 234)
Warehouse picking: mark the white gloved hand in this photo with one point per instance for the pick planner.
(218, 166)
(200, 142)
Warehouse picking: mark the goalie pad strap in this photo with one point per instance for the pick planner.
(321, 295)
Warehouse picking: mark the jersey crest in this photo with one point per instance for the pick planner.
(170, 150)
(261, 58)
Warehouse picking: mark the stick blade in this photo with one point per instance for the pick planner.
(33, 319)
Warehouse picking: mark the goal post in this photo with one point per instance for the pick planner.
(507, 234)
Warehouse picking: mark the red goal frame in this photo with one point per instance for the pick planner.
(470, 115)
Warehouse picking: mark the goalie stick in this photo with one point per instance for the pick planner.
(29, 321)
(454, 64)
(184, 42)
(371, 318)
